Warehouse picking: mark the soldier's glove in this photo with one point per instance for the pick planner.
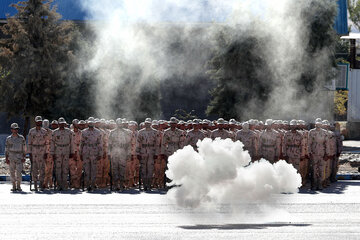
(139, 157)
(54, 157)
(75, 157)
(338, 155)
(7, 161)
(23, 160)
(104, 156)
(155, 157)
(81, 158)
(163, 156)
(98, 158)
(71, 155)
(45, 156)
(30, 156)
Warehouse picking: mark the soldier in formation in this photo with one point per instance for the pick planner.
(139, 157)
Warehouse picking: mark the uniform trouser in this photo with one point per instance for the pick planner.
(317, 170)
(118, 166)
(102, 171)
(157, 170)
(136, 167)
(89, 166)
(38, 168)
(49, 164)
(304, 170)
(75, 167)
(62, 170)
(130, 170)
(269, 154)
(334, 168)
(147, 169)
(295, 162)
(16, 166)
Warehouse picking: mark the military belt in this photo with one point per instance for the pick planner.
(123, 145)
(62, 145)
(172, 143)
(293, 145)
(37, 145)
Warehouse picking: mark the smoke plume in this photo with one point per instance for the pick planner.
(221, 173)
(140, 44)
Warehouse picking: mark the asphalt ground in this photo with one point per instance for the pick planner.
(330, 214)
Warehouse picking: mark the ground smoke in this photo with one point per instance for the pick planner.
(220, 173)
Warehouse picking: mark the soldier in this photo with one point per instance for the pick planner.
(339, 146)
(61, 150)
(49, 163)
(249, 139)
(220, 132)
(37, 152)
(134, 162)
(304, 162)
(91, 152)
(75, 164)
(194, 135)
(232, 129)
(293, 146)
(119, 152)
(270, 143)
(318, 149)
(15, 150)
(54, 124)
(331, 141)
(147, 151)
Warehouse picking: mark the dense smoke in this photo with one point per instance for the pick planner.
(221, 173)
(140, 44)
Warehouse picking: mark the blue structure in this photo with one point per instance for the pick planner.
(341, 22)
(69, 9)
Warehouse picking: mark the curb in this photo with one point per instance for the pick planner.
(25, 178)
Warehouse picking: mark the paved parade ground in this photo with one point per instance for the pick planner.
(331, 214)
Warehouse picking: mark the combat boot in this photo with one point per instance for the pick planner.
(13, 188)
(18, 187)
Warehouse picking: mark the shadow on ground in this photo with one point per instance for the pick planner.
(242, 226)
(335, 188)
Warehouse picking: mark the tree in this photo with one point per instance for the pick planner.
(340, 102)
(354, 12)
(36, 54)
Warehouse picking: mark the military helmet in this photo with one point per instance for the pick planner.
(269, 122)
(173, 120)
(119, 121)
(82, 122)
(62, 120)
(318, 121)
(154, 123)
(54, 122)
(293, 122)
(38, 119)
(220, 121)
(14, 126)
(46, 123)
(148, 120)
(75, 121)
(91, 120)
(326, 122)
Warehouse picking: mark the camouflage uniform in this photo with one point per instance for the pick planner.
(37, 148)
(335, 161)
(75, 164)
(101, 173)
(61, 149)
(304, 162)
(91, 152)
(293, 148)
(15, 150)
(318, 148)
(147, 150)
(250, 140)
(332, 146)
(269, 145)
(120, 152)
(193, 137)
(49, 163)
(220, 133)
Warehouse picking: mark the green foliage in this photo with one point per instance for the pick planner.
(181, 114)
(38, 55)
(354, 12)
(341, 98)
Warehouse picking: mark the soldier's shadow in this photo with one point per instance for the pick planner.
(338, 187)
(241, 226)
(52, 191)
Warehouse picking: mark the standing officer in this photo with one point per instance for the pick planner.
(37, 139)
(250, 140)
(15, 156)
(91, 151)
(61, 150)
(75, 164)
(293, 145)
(49, 163)
(270, 143)
(119, 152)
(147, 150)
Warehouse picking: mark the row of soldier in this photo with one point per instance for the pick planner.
(98, 153)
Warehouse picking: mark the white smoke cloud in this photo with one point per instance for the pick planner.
(133, 37)
(221, 173)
